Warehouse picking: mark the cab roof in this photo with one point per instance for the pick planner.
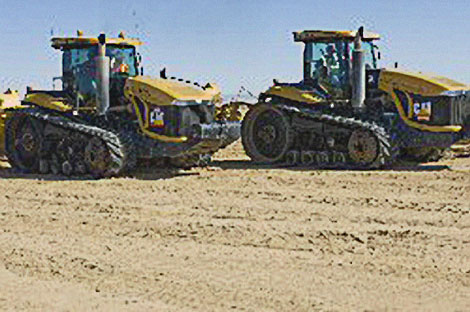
(330, 35)
(74, 42)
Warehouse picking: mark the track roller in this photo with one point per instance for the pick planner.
(267, 134)
(307, 158)
(292, 158)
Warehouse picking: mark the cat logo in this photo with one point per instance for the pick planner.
(422, 111)
(156, 118)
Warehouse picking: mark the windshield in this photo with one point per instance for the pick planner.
(371, 54)
(122, 59)
(329, 63)
(79, 67)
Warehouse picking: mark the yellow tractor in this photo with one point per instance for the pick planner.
(349, 113)
(108, 115)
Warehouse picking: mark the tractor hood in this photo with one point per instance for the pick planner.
(419, 83)
(161, 91)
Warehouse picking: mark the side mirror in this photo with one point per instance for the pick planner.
(54, 79)
(139, 63)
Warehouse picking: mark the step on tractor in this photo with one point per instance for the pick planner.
(349, 113)
(108, 116)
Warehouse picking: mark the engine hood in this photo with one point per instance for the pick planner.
(418, 83)
(166, 92)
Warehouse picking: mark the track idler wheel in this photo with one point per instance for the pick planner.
(363, 148)
(97, 157)
(23, 142)
(267, 134)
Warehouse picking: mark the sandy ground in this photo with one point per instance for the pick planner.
(235, 236)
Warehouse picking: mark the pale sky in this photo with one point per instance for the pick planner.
(233, 43)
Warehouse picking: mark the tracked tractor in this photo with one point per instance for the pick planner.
(349, 113)
(108, 116)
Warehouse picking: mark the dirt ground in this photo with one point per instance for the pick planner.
(236, 236)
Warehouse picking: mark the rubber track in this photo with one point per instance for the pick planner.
(133, 141)
(112, 141)
(387, 152)
(290, 136)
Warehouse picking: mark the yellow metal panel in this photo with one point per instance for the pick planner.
(407, 119)
(144, 125)
(164, 91)
(294, 94)
(329, 35)
(62, 42)
(418, 83)
(48, 101)
(419, 126)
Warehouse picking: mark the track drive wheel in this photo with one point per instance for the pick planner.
(266, 133)
(100, 159)
(365, 150)
(23, 142)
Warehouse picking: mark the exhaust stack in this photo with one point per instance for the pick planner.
(102, 66)
(308, 55)
(358, 72)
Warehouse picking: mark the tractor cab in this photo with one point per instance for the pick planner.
(328, 58)
(81, 70)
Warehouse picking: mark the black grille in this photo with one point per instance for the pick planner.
(461, 110)
(446, 110)
(179, 120)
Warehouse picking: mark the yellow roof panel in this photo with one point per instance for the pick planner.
(68, 42)
(328, 35)
(423, 80)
